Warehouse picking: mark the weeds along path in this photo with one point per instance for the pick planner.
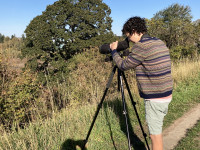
(175, 132)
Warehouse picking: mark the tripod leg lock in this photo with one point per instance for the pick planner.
(124, 112)
(145, 135)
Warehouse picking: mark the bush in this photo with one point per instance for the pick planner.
(178, 52)
(86, 80)
(17, 101)
(175, 52)
(190, 51)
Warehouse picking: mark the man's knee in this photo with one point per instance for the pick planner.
(156, 136)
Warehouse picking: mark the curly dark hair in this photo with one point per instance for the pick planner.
(135, 24)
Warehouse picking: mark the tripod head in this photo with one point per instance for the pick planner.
(125, 53)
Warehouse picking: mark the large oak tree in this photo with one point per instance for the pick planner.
(64, 29)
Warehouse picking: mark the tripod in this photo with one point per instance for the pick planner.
(120, 86)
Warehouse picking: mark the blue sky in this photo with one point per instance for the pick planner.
(15, 15)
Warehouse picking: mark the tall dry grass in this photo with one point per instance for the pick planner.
(185, 69)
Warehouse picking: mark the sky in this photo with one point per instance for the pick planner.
(15, 15)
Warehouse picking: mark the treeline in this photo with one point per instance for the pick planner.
(61, 49)
(4, 38)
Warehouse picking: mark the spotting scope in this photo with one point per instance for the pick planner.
(105, 48)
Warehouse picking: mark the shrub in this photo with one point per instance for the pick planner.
(18, 100)
(175, 52)
(178, 52)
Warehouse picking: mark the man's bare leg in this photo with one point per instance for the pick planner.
(157, 142)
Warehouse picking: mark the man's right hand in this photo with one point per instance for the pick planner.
(114, 45)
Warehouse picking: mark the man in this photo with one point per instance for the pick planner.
(151, 60)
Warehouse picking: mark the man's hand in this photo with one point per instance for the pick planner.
(114, 45)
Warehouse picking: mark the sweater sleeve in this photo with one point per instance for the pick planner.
(135, 58)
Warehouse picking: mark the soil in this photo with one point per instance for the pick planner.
(175, 132)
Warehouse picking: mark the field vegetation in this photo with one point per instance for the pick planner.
(50, 88)
(49, 116)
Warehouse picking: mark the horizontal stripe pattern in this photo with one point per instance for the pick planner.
(151, 60)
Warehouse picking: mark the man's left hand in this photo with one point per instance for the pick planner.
(114, 45)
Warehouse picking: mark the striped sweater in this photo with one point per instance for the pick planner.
(151, 60)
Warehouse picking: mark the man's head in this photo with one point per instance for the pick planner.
(134, 28)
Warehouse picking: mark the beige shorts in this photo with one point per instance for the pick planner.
(155, 113)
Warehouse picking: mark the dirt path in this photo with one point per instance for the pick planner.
(174, 133)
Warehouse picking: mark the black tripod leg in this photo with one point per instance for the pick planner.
(124, 107)
(100, 105)
(118, 79)
(134, 103)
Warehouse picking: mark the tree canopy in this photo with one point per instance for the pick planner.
(174, 26)
(65, 28)
(2, 38)
(173, 23)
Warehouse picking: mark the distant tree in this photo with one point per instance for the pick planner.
(64, 29)
(197, 34)
(173, 25)
(13, 36)
(2, 38)
(23, 37)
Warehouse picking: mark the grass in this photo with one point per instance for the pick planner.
(68, 128)
(192, 139)
(185, 96)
